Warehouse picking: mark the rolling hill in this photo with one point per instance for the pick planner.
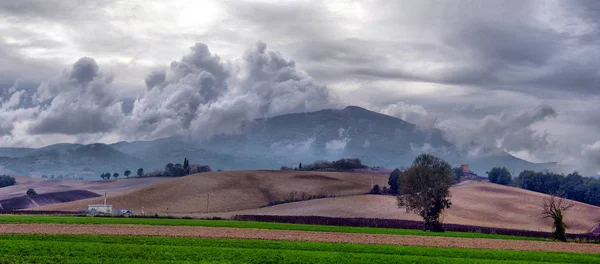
(55, 191)
(473, 203)
(250, 192)
(233, 190)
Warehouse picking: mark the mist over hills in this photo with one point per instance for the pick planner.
(285, 140)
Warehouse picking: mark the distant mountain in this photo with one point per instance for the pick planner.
(70, 159)
(377, 139)
(285, 140)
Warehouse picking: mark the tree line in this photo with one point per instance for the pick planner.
(325, 165)
(571, 186)
(127, 173)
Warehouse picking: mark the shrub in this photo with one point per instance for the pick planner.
(6, 180)
(394, 181)
(375, 190)
(31, 192)
(499, 176)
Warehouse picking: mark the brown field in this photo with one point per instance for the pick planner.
(248, 233)
(232, 191)
(250, 192)
(473, 203)
(42, 186)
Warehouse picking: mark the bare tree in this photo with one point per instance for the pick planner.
(555, 207)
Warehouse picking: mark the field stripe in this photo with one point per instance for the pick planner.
(121, 249)
(247, 233)
(28, 219)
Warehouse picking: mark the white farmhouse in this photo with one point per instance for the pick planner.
(101, 208)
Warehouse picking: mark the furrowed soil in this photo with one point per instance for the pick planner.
(242, 233)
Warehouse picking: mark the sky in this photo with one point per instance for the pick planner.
(523, 76)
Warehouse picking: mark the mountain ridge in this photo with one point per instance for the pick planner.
(267, 143)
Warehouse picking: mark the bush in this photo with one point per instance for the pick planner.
(499, 176)
(339, 165)
(31, 192)
(375, 190)
(385, 190)
(6, 180)
(394, 181)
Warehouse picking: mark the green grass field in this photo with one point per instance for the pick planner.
(126, 249)
(242, 224)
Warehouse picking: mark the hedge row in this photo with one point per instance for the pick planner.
(403, 224)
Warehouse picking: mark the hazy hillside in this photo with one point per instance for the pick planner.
(71, 159)
(286, 140)
(377, 139)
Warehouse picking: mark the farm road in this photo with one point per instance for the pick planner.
(247, 233)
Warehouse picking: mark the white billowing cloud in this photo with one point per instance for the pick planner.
(301, 147)
(78, 101)
(172, 101)
(366, 144)
(509, 130)
(12, 109)
(415, 114)
(338, 144)
(202, 95)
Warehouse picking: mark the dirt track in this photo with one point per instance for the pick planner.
(213, 232)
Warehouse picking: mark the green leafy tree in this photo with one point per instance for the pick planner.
(169, 168)
(186, 166)
(6, 180)
(31, 192)
(140, 172)
(458, 173)
(425, 188)
(127, 173)
(394, 181)
(115, 175)
(499, 176)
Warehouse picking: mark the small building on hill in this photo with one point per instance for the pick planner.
(100, 208)
(468, 174)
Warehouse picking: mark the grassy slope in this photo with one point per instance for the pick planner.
(241, 224)
(119, 249)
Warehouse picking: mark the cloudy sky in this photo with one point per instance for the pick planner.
(520, 75)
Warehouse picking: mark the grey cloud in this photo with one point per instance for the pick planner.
(203, 96)
(495, 130)
(55, 10)
(84, 70)
(172, 102)
(77, 101)
(154, 78)
(73, 118)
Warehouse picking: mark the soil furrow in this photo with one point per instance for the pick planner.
(247, 233)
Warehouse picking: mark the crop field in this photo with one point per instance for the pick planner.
(136, 249)
(29, 219)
